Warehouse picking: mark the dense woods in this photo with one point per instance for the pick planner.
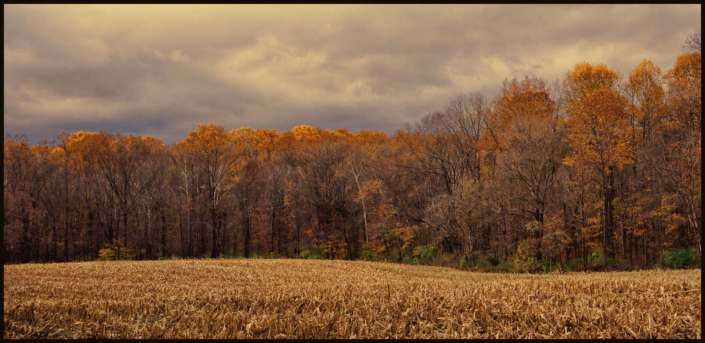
(597, 167)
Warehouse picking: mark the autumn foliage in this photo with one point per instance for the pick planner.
(599, 168)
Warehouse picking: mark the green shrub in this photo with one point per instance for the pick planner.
(426, 252)
(680, 258)
(395, 255)
(571, 265)
(408, 259)
(366, 253)
(231, 255)
(304, 254)
(465, 261)
(480, 261)
(595, 257)
(493, 260)
(316, 253)
(549, 267)
(616, 262)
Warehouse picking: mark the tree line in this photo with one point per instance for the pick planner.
(596, 164)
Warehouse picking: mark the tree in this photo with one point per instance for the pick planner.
(599, 138)
(684, 91)
(120, 160)
(680, 150)
(586, 78)
(692, 43)
(646, 93)
(474, 177)
(526, 132)
(248, 191)
(215, 153)
(114, 251)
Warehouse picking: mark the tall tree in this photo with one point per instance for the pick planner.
(598, 135)
(215, 152)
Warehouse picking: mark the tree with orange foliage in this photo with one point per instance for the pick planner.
(473, 177)
(680, 145)
(646, 94)
(684, 91)
(598, 135)
(639, 195)
(532, 144)
(215, 152)
(586, 78)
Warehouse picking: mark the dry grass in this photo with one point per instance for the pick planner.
(341, 299)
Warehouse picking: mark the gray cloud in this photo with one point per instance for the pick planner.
(161, 70)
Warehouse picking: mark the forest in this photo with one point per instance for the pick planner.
(597, 168)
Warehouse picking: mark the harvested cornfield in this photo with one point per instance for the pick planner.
(341, 299)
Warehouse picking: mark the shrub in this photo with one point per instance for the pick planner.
(465, 261)
(395, 255)
(504, 266)
(524, 262)
(595, 257)
(426, 252)
(493, 260)
(114, 251)
(444, 259)
(680, 258)
(316, 253)
(616, 262)
(231, 255)
(408, 259)
(366, 253)
(571, 265)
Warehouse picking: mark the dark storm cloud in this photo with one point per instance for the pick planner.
(161, 70)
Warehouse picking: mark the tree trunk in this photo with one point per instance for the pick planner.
(214, 245)
(163, 247)
(604, 227)
(246, 228)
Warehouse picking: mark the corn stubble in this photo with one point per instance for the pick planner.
(340, 299)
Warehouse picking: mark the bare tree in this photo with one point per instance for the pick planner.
(354, 160)
(692, 43)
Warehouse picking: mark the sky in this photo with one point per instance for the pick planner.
(160, 70)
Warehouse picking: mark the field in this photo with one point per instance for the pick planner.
(341, 299)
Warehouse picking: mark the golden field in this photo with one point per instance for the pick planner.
(340, 299)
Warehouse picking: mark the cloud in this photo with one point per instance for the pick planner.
(161, 70)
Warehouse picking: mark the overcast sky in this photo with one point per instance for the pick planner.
(161, 70)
